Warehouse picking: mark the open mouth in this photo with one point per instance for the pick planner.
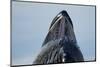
(60, 27)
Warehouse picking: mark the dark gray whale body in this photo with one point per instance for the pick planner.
(60, 45)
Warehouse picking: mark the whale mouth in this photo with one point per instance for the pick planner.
(59, 17)
(60, 27)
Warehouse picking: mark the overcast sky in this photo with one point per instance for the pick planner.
(30, 24)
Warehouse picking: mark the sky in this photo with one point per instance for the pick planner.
(30, 24)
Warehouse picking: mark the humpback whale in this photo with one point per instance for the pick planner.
(60, 44)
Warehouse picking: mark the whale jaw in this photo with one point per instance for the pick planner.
(60, 27)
